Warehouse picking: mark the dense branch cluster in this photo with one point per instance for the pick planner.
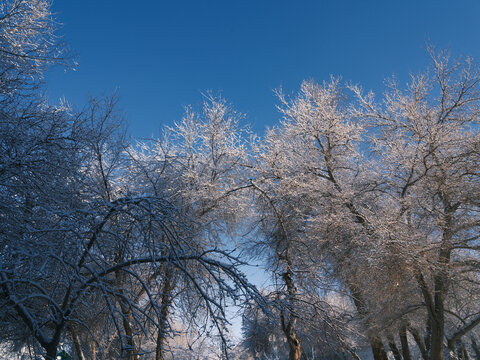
(363, 211)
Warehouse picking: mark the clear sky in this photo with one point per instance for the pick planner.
(161, 55)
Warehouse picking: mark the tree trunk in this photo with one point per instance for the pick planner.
(475, 347)
(378, 349)
(428, 335)
(420, 343)
(163, 320)
(451, 349)
(127, 317)
(458, 351)
(394, 348)
(436, 348)
(160, 350)
(463, 353)
(438, 327)
(288, 326)
(441, 287)
(404, 343)
(294, 344)
(132, 351)
(76, 343)
(292, 340)
(295, 347)
(438, 319)
(51, 352)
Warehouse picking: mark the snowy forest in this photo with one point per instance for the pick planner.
(361, 211)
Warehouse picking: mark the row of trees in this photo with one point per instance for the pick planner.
(364, 212)
(380, 200)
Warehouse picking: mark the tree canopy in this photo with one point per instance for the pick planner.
(362, 210)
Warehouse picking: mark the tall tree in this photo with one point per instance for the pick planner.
(427, 142)
(312, 192)
(198, 167)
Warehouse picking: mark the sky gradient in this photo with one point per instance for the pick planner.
(162, 55)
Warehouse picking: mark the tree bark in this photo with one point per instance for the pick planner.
(51, 352)
(428, 335)
(163, 320)
(132, 351)
(462, 351)
(294, 344)
(378, 349)
(475, 348)
(376, 344)
(438, 324)
(438, 318)
(295, 347)
(404, 342)
(94, 351)
(288, 326)
(126, 319)
(76, 343)
(394, 348)
(420, 343)
(441, 285)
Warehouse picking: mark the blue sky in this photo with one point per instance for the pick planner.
(161, 55)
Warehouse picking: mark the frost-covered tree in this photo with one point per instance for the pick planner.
(381, 200)
(198, 167)
(310, 188)
(264, 338)
(427, 148)
(38, 144)
(93, 251)
(107, 246)
(97, 228)
(29, 43)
